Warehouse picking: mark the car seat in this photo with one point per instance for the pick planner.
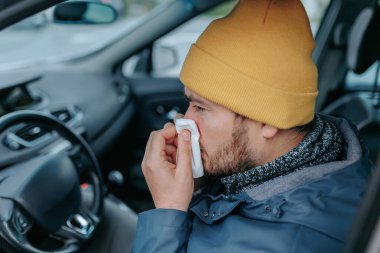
(363, 50)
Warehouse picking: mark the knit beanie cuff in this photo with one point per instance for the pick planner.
(222, 84)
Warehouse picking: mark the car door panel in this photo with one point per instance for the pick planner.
(157, 100)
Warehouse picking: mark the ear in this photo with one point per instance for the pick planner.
(268, 131)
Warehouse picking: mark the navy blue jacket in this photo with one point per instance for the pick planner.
(310, 210)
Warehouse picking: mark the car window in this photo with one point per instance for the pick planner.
(316, 10)
(169, 52)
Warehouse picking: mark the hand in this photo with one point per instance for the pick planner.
(168, 174)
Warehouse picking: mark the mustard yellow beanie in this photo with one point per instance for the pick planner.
(257, 62)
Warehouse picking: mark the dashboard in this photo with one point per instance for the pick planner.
(96, 106)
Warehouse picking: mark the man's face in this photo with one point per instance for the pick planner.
(224, 142)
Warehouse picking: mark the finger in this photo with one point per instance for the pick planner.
(148, 145)
(176, 141)
(174, 157)
(171, 152)
(170, 149)
(170, 159)
(175, 144)
(158, 143)
(168, 131)
(184, 153)
(179, 116)
(156, 146)
(169, 124)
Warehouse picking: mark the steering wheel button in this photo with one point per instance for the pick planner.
(35, 130)
(21, 223)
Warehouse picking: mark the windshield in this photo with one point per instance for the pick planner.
(37, 41)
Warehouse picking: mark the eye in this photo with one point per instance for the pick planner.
(198, 108)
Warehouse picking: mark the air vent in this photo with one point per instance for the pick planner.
(30, 132)
(26, 136)
(63, 115)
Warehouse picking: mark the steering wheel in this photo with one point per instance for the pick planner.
(43, 207)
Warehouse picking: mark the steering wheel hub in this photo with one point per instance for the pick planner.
(44, 191)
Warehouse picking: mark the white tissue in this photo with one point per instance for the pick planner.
(190, 125)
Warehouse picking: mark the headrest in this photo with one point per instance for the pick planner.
(364, 41)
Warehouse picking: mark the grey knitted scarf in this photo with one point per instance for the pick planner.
(323, 144)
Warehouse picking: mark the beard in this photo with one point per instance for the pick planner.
(233, 157)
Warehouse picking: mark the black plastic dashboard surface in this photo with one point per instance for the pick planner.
(99, 100)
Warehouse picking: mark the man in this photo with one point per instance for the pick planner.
(278, 177)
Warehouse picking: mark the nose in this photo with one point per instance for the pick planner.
(188, 114)
(179, 116)
(191, 115)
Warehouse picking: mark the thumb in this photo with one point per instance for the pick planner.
(184, 153)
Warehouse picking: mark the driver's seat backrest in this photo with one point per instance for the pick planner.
(363, 50)
(363, 47)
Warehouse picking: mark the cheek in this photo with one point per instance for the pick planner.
(211, 136)
(214, 130)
